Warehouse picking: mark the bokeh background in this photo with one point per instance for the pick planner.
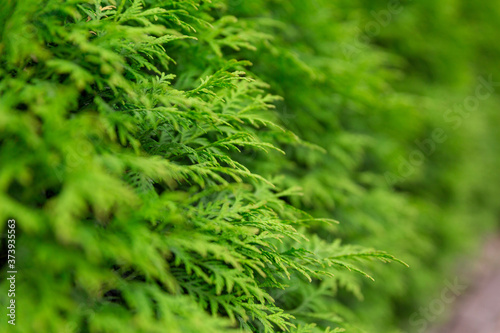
(393, 90)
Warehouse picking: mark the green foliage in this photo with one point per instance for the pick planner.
(371, 100)
(162, 182)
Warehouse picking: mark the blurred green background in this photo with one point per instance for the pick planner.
(393, 90)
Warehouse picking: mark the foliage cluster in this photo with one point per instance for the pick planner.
(181, 165)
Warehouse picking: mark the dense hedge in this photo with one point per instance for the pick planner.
(181, 165)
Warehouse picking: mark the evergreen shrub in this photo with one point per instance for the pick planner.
(181, 165)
